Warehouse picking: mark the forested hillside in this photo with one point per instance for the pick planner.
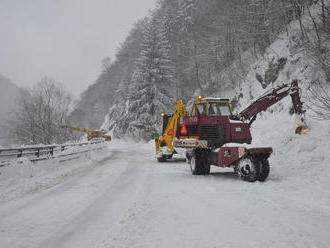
(8, 94)
(209, 47)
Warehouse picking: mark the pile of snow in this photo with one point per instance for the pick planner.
(300, 163)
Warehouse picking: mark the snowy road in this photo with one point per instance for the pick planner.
(129, 200)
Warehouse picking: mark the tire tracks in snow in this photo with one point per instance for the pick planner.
(133, 221)
(64, 182)
(107, 213)
(64, 175)
(22, 215)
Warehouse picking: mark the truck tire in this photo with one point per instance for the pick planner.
(264, 170)
(164, 158)
(161, 159)
(198, 161)
(194, 165)
(248, 169)
(235, 167)
(206, 169)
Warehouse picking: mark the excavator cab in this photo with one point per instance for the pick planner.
(211, 107)
(166, 118)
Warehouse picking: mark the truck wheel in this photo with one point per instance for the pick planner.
(188, 156)
(248, 169)
(264, 170)
(164, 158)
(194, 165)
(206, 169)
(161, 159)
(199, 162)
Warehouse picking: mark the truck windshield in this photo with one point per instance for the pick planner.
(200, 109)
(212, 109)
(219, 108)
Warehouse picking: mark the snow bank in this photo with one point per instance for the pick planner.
(25, 177)
(300, 163)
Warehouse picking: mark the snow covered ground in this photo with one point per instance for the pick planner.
(121, 197)
(20, 175)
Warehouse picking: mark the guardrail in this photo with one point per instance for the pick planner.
(35, 153)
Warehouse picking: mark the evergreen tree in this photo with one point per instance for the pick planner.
(151, 89)
(115, 120)
(185, 14)
(203, 39)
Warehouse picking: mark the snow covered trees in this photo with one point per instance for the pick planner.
(40, 113)
(154, 64)
(150, 90)
(185, 48)
(319, 100)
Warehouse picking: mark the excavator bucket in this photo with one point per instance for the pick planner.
(303, 129)
(301, 125)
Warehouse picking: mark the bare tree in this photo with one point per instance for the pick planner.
(319, 100)
(318, 45)
(40, 112)
(106, 64)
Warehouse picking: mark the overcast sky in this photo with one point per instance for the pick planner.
(63, 39)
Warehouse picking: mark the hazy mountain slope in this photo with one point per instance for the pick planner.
(231, 49)
(201, 43)
(8, 94)
(95, 102)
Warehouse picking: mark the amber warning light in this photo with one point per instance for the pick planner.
(200, 98)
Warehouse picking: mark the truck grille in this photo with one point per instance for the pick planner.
(209, 132)
(192, 130)
(212, 132)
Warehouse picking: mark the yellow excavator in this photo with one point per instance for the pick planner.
(91, 134)
(164, 143)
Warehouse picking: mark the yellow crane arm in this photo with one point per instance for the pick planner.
(79, 129)
(171, 128)
(90, 133)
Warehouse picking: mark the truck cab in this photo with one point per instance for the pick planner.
(209, 120)
(211, 107)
